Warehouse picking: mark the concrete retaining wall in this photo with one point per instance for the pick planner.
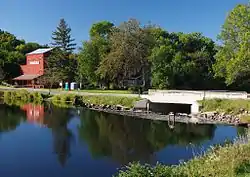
(190, 97)
(198, 95)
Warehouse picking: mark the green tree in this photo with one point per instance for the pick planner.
(10, 58)
(128, 55)
(182, 61)
(101, 29)
(55, 68)
(233, 58)
(62, 37)
(88, 61)
(93, 51)
(27, 47)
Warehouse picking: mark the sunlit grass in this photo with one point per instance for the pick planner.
(231, 160)
(95, 99)
(234, 106)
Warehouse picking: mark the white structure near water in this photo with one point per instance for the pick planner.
(190, 97)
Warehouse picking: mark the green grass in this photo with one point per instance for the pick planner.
(227, 161)
(225, 105)
(95, 91)
(245, 118)
(111, 100)
(107, 91)
(95, 99)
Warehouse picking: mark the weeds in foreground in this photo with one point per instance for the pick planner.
(230, 160)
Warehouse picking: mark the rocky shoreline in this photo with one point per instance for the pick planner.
(201, 118)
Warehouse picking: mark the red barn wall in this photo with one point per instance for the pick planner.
(34, 64)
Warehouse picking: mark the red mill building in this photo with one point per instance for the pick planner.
(33, 69)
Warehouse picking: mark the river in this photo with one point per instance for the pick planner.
(38, 140)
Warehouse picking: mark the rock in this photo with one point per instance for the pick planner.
(183, 114)
(209, 114)
(194, 120)
(242, 109)
(125, 109)
(119, 107)
(223, 114)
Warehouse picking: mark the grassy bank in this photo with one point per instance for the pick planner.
(227, 161)
(240, 107)
(97, 100)
(23, 96)
(225, 105)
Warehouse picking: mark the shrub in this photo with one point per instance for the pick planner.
(64, 100)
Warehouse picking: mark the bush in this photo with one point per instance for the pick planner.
(63, 100)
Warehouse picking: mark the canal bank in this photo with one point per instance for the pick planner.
(212, 113)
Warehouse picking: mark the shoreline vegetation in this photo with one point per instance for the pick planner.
(67, 100)
(230, 159)
(213, 111)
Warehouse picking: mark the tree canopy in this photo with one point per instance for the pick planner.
(233, 56)
(12, 53)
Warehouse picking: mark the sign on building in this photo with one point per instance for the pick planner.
(34, 62)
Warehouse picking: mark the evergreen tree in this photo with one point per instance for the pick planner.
(62, 37)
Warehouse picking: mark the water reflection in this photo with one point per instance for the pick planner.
(53, 118)
(127, 139)
(119, 138)
(57, 120)
(34, 113)
(10, 117)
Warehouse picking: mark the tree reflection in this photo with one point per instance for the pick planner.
(10, 117)
(132, 139)
(57, 119)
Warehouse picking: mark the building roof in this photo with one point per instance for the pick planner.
(40, 51)
(27, 77)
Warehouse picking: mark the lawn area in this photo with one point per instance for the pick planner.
(108, 91)
(96, 91)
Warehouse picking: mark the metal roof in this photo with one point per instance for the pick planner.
(27, 77)
(40, 51)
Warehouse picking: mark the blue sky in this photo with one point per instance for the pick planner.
(34, 20)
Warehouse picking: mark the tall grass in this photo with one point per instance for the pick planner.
(23, 95)
(225, 105)
(231, 160)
